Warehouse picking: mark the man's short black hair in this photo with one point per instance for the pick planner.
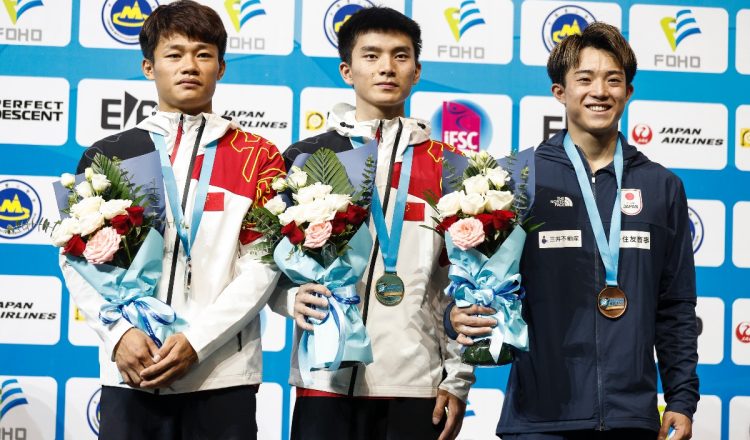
(378, 19)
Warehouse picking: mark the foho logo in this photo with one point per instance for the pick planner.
(11, 396)
(676, 29)
(565, 21)
(241, 11)
(123, 19)
(16, 8)
(460, 20)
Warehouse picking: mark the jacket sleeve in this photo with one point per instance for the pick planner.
(282, 298)
(676, 328)
(243, 298)
(458, 376)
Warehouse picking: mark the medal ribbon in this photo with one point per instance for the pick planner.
(389, 244)
(174, 199)
(610, 252)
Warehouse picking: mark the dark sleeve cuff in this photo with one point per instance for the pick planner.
(449, 330)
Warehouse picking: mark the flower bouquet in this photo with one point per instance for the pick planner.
(484, 239)
(315, 232)
(109, 233)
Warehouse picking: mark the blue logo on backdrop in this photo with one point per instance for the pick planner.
(20, 209)
(123, 19)
(93, 411)
(11, 396)
(696, 228)
(337, 14)
(565, 21)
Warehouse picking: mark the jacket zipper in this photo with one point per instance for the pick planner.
(599, 385)
(376, 247)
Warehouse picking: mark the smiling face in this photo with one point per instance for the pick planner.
(185, 73)
(382, 72)
(594, 95)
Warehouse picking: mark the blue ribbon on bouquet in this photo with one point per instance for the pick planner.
(344, 337)
(130, 292)
(492, 282)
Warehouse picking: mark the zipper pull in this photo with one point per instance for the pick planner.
(593, 178)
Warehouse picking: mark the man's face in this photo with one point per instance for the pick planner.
(185, 73)
(594, 94)
(382, 72)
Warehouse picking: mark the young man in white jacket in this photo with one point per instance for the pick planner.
(201, 383)
(416, 387)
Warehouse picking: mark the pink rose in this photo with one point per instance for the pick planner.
(467, 233)
(316, 235)
(101, 248)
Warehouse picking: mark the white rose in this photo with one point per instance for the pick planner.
(67, 180)
(338, 202)
(318, 213)
(276, 205)
(292, 214)
(308, 194)
(86, 206)
(278, 184)
(88, 173)
(297, 179)
(99, 182)
(476, 184)
(498, 200)
(114, 207)
(91, 223)
(497, 176)
(449, 204)
(84, 189)
(472, 204)
(65, 231)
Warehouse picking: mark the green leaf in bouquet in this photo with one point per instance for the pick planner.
(323, 166)
(363, 196)
(120, 187)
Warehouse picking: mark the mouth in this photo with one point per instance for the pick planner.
(189, 82)
(387, 85)
(598, 108)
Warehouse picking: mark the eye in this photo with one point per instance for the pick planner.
(370, 56)
(172, 55)
(205, 55)
(402, 56)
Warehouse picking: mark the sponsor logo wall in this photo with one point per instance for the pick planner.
(70, 75)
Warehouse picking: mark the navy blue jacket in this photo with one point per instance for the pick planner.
(583, 370)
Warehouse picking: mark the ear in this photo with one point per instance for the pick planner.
(629, 92)
(558, 91)
(148, 69)
(222, 69)
(346, 73)
(417, 72)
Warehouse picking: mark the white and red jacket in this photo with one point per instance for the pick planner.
(229, 284)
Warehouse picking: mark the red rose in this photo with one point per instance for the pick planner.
(356, 214)
(121, 223)
(487, 221)
(446, 223)
(249, 235)
(293, 233)
(135, 213)
(75, 246)
(338, 225)
(502, 218)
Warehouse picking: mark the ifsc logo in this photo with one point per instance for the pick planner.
(696, 228)
(20, 209)
(123, 19)
(565, 21)
(11, 396)
(463, 124)
(16, 8)
(93, 411)
(337, 14)
(676, 29)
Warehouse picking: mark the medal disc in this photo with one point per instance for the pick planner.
(389, 289)
(612, 302)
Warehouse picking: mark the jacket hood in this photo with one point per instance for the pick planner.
(341, 119)
(553, 149)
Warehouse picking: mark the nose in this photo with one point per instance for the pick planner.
(189, 65)
(599, 88)
(386, 66)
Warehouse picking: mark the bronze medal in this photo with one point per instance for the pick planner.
(389, 289)
(612, 302)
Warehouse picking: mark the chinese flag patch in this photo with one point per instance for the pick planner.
(414, 212)
(214, 201)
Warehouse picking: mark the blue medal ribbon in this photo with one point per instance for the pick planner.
(174, 198)
(610, 252)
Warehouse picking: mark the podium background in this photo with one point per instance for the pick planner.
(282, 77)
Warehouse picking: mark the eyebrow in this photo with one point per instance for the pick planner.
(198, 46)
(380, 49)
(591, 72)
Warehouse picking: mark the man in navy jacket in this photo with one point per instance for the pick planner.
(594, 321)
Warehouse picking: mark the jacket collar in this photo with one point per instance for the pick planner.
(166, 123)
(553, 149)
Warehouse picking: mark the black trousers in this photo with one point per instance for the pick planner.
(226, 414)
(346, 418)
(614, 434)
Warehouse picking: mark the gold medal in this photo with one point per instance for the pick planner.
(612, 302)
(389, 289)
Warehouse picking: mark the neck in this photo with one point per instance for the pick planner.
(366, 112)
(599, 149)
(188, 111)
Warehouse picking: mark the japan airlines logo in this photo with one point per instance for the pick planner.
(641, 134)
(241, 11)
(16, 8)
(464, 18)
(679, 27)
(11, 396)
(565, 21)
(742, 332)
